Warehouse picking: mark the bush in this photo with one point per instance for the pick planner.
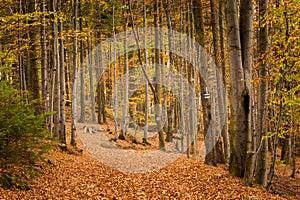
(22, 132)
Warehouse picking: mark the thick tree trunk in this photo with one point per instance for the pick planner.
(239, 98)
(210, 158)
(247, 44)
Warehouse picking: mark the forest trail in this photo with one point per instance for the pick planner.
(131, 154)
(84, 177)
(71, 175)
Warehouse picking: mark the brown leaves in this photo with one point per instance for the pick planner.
(83, 177)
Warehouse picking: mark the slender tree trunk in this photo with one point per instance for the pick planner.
(224, 77)
(262, 143)
(157, 78)
(57, 115)
(275, 141)
(62, 122)
(91, 82)
(74, 89)
(82, 70)
(126, 71)
(32, 74)
(45, 94)
(101, 94)
(219, 93)
(54, 67)
(145, 137)
(181, 64)
(115, 73)
(293, 149)
(170, 114)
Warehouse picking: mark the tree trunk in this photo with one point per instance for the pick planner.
(45, 94)
(145, 137)
(126, 76)
(157, 79)
(181, 64)
(224, 77)
(32, 74)
(74, 89)
(239, 98)
(82, 71)
(219, 94)
(171, 109)
(115, 73)
(210, 157)
(262, 143)
(247, 44)
(62, 122)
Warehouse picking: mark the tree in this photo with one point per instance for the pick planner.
(220, 154)
(62, 85)
(74, 90)
(247, 47)
(240, 42)
(210, 158)
(157, 94)
(126, 76)
(32, 75)
(115, 69)
(145, 137)
(262, 141)
(44, 63)
(22, 134)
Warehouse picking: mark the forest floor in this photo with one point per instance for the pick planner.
(73, 175)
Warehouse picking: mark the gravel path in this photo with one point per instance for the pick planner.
(125, 160)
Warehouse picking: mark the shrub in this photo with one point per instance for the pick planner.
(22, 132)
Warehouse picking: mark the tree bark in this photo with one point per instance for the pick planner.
(126, 71)
(74, 89)
(247, 44)
(239, 98)
(145, 137)
(157, 77)
(45, 95)
(224, 77)
(262, 143)
(82, 71)
(62, 122)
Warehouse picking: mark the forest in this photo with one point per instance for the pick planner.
(149, 99)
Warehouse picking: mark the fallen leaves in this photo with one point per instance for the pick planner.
(75, 176)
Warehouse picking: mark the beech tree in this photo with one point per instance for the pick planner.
(74, 90)
(262, 141)
(240, 42)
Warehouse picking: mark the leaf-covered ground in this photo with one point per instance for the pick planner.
(71, 175)
(74, 176)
